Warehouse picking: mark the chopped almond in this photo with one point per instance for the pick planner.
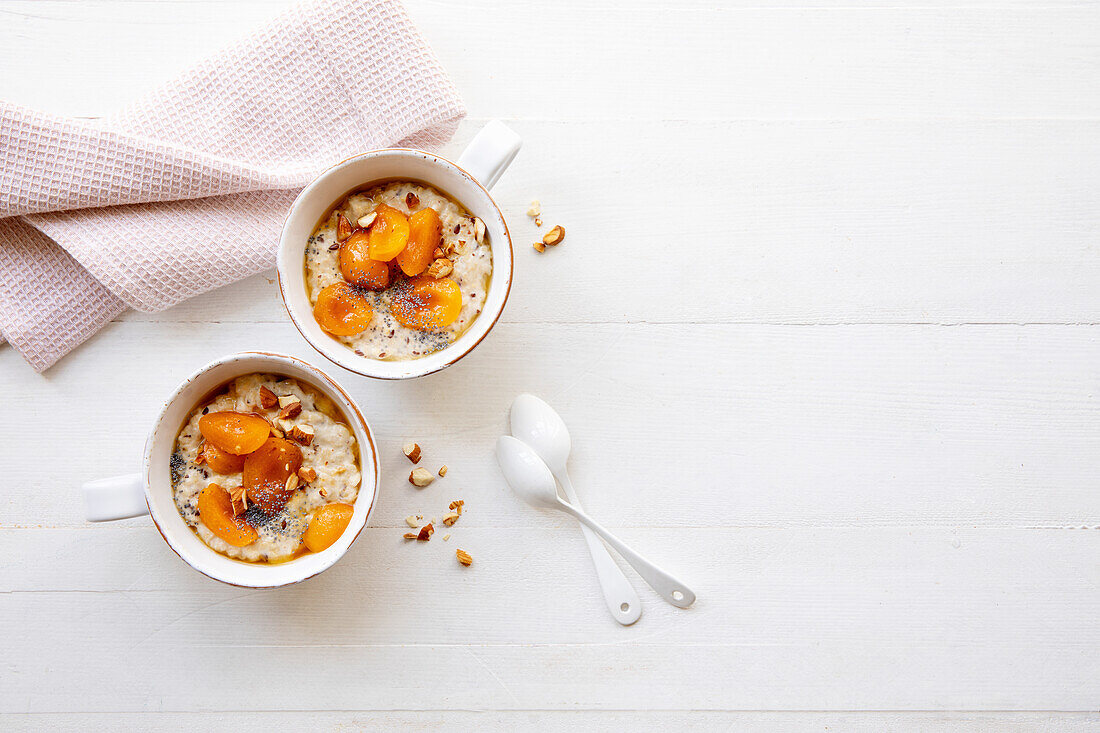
(554, 236)
(464, 557)
(410, 535)
(421, 477)
(307, 474)
(440, 268)
(291, 406)
(238, 498)
(268, 399)
(425, 533)
(411, 521)
(411, 451)
(343, 228)
(442, 471)
(457, 505)
(450, 519)
(302, 434)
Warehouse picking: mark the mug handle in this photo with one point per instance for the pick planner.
(120, 497)
(490, 152)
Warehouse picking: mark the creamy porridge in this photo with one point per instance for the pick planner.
(266, 469)
(398, 271)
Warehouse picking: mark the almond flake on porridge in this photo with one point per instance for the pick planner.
(302, 434)
(268, 399)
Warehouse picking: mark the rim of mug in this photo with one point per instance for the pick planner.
(361, 423)
(361, 364)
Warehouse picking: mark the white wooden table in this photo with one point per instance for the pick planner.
(825, 328)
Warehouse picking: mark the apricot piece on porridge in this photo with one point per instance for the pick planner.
(425, 234)
(388, 234)
(358, 268)
(341, 310)
(221, 461)
(234, 432)
(326, 526)
(426, 303)
(268, 472)
(216, 512)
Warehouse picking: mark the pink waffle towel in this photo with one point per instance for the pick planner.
(187, 189)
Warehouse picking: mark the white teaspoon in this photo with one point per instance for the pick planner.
(540, 427)
(532, 481)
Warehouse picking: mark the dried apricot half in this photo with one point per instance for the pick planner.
(426, 303)
(220, 461)
(234, 432)
(216, 512)
(266, 472)
(326, 526)
(389, 233)
(425, 235)
(358, 268)
(341, 310)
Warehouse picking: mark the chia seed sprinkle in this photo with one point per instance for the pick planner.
(176, 464)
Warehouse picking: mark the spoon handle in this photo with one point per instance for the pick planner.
(666, 586)
(621, 598)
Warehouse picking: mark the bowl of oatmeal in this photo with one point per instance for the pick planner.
(259, 472)
(266, 469)
(397, 263)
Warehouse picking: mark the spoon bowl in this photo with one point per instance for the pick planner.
(526, 473)
(540, 426)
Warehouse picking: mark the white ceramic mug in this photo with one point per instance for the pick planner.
(150, 492)
(467, 181)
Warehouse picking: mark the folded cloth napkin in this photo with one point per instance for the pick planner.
(187, 189)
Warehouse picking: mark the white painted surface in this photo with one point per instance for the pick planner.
(826, 332)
